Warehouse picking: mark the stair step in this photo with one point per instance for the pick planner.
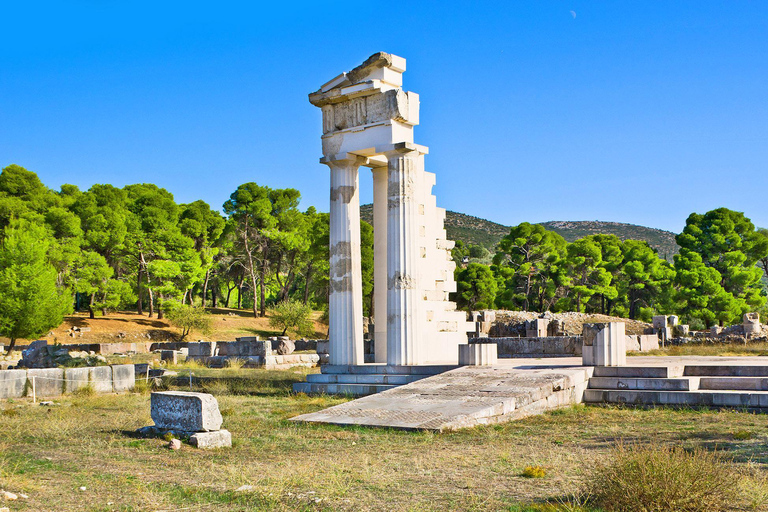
(651, 384)
(648, 372)
(362, 378)
(754, 399)
(725, 371)
(734, 383)
(426, 370)
(340, 389)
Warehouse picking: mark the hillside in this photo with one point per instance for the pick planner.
(474, 230)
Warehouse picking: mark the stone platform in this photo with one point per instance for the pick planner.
(515, 388)
(463, 397)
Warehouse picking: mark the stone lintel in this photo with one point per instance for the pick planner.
(402, 147)
(375, 157)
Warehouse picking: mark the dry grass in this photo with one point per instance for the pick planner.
(710, 349)
(49, 452)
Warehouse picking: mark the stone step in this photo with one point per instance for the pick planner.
(751, 400)
(387, 369)
(648, 372)
(362, 378)
(653, 384)
(726, 371)
(340, 389)
(734, 383)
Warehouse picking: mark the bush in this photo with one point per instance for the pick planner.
(534, 472)
(187, 318)
(292, 314)
(663, 478)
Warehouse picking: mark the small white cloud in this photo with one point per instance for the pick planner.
(573, 13)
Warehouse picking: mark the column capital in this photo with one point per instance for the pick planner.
(402, 147)
(343, 159)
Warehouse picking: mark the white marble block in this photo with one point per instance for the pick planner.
(185, 411)
(604, 344)
(478, 354)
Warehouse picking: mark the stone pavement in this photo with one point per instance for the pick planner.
(464, 397)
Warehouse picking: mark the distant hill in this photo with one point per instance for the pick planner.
(477, 231)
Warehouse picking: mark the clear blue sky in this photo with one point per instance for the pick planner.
(639, 112)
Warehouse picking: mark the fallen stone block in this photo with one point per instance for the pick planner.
(185, 411)
(169, 356)
(123, 377)
(214, 439)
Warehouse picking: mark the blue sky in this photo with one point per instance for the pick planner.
(639, 112)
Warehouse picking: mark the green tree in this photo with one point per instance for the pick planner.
(698, 286)
(188, 318)
(31, 302)
(366, 265)
(589, 277)
(643, 277)
(476, 287)
(294, 315)
(529, 263)
(728, 242)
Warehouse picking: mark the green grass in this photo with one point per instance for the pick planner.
(49, 452)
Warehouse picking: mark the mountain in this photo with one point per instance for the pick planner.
(477, 231)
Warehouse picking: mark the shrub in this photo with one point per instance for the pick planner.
(534, 472)
(663, 478)
(187, 318)
(292, 314)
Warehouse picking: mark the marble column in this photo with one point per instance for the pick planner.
(402, 258)
(345, 302)
(380, 263)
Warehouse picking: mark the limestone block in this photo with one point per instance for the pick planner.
(659, 321)
(715, 330)
(604, 344)
(12, 383)
(100, 377)
(202, 349)
(633, 343)
(49, 382)
(322, 347)
(75, 378)
(123, 377)
(649, 342)
(681, 330)
(672, 320)
(285, 347)
(752, 323)
(185, 411)
(169, 356)
(478, 354)
(214, 439)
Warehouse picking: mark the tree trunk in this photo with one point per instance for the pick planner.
(91, 314)
(306, 283)
(240, 295)
(205, 286)
(139, 305)
(151, 302)
(229, 293)
(262, 289)
(214, 300)
(10, 347)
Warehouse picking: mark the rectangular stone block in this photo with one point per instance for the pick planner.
(209, 440)
(649, 342)
(478, 354)
(49, 382)
(169, 356)
(12, 383)
(202, 349)
(185, 411)
(75, 378)
(123, 377)
(604, 344)
(100, 377)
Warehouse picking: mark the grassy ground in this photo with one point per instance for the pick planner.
(49, 452)
(710, 349)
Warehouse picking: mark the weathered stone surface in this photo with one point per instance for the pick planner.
(174, 444)
(12, 383)
(169, 356)
(478, 354)
(76, 378)
(460, 398)
(604, 344)
(100, 378)
(49, 382)
(123, 377)
(202, 349)
(184, 410)
(209, 440)
(285, 347)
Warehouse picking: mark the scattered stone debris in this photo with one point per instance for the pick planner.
(245, 488)
(9, 496)
(83, 488)
(41, 355)
(174, 444)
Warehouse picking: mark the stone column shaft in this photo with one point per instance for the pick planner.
(402, 259)
(380, 180)
(345, 302)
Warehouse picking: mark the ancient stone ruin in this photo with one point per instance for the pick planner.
(190, 415)
(368, 121)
